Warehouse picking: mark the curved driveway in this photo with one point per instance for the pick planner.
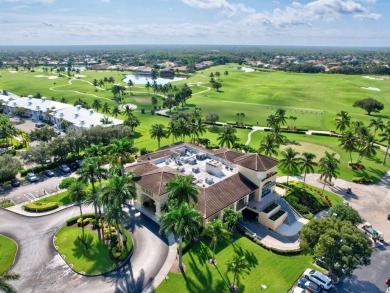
(43, 270)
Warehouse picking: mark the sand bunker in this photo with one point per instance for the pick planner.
(79, 75)
(132, 106)
(372, 78)
(375, 89)
(13, 71)
(53, 77)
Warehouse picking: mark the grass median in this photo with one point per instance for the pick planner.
(8, 249)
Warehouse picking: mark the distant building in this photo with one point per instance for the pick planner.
(56, 112)
(225, 178)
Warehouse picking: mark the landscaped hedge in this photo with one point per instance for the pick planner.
(65, 183)
(362, 180)
(40, 206)
(73, 220)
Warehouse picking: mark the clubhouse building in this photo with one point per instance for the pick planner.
(56, 112)
(225, 179)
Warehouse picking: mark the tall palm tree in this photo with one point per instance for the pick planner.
(278, 136)
(128, 112)
(101, 84)
(182, 189)
(268, 145)
(307, 164)
(77, 193)
(239, 265)
(227, 136)
(106, 108)
(119, 151)
(96, 104)
(183, 128)
(367, 148)
(132, 122)
(115, 195)
(148, 86)
(386, 137)
(116, 111)
(272, 121)
(348, 142)
(281, 117)
(172, 130)
(183, 221)
(157, 131)
(154, 101)
(91, 171)
(217, 232)
(116, 216)
(95, 199)
(329, 166)
(290, 161)
(130, 84)
(342, 120)
(105, 120)
(4, 285)
(377, 124)
(198, 128)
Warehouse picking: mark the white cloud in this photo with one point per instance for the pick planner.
(226, 7)
(368, 16)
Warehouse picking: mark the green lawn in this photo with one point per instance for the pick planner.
(8, 249)
(277, 272)
(93, 261)
(62, 198)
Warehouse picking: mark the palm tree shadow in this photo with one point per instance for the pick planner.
(124, 280)
(80, 243)
(249, 255)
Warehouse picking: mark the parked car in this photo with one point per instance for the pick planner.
(311, 286)
(299, 290)
(48, 173)
(31, 177)
(39, 125)
(318, 278)
(79, 163)
(64, 168)
(388, 281)
(73, 166)
(15, 182)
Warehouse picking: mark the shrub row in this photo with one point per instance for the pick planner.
(73, 220)
(40, 206)
(362, 180)
(83, 222)
(65, 183)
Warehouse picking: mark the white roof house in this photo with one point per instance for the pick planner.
(81, 117)
(78, 116)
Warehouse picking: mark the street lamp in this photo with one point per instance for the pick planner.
(262, 287)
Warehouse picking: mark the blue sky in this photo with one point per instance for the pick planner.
(236, 22)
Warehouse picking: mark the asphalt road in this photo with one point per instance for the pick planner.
(43, 270)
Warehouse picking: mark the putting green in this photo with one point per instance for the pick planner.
(316, 149)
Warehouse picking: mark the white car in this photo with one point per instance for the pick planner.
(31, 177)
(299, 290)
(318, 278)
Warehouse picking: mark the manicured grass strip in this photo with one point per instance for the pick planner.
(277, 272)
(95, 260)
(61, 198)
(40, 206)
(8, 249)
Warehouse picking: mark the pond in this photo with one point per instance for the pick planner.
(143, 79)
(246, 69)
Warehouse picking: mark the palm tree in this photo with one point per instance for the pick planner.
(329, 166)
(239, 265)
(4, 285)
(116, 216)
(95, 199)
(342, 120)
(272, 121)
(105, 120)
(183, 128)
(290, 161)
(132, 122)
(63, 100)
(367, 148)
(231, 217)
(268, 145)
(116, 111)
(148, 86)
(198, 128)
(96, 104)
(386, 137)
(377, 124)
(90, 172)
(307, 163)
(278, 136)
(130, 84)
(292, 120)
(95, 83)
(172, 130)
(77, 193)
(115, 195)
(227, 136)
(348, 143)
(119, 151)
(157, 131)
(281, 117)
(226, 73)
(182, 189)
(101, 83)
(216, 231)
(106, 108)
(154, 101)
(183, 221)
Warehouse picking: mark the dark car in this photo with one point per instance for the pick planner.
(73, 166)
(39, 125)
(48, 173)
(79, 163)
(306, 284)
(15, 183)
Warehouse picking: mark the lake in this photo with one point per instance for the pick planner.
(143, 79)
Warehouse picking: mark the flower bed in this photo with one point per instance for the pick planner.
(270, 208)
(277, 215)
(40, 206)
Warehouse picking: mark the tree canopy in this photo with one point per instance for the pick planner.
(370, 105)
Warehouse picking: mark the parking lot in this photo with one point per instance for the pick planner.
(33, 191)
